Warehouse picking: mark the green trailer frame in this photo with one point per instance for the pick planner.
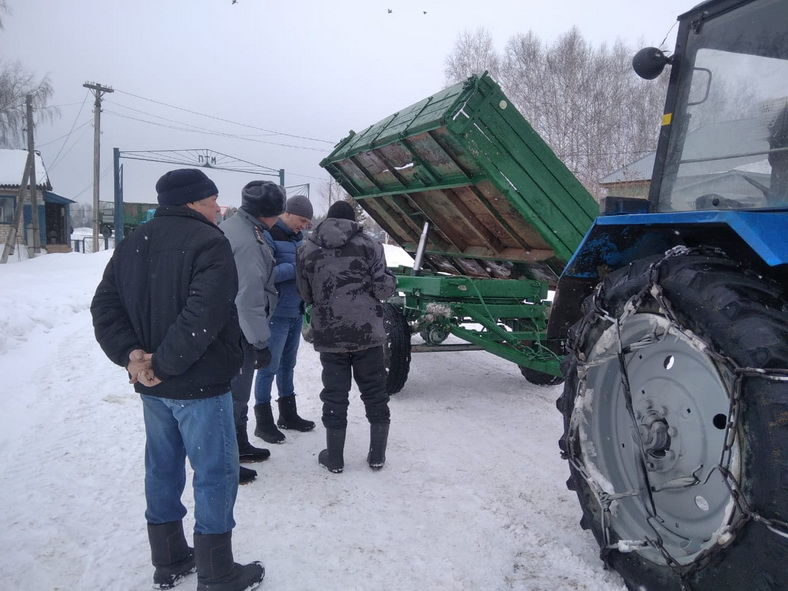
(464, 184)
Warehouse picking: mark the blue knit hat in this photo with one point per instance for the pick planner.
(184, 185)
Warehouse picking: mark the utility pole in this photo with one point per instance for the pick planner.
(33, 180)
(98, 91)
(10, 241)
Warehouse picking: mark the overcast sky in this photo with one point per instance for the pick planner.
(293, 72)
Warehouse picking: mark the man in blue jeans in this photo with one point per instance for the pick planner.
(284, 238)
(165, 311)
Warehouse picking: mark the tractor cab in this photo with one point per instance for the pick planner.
(724, 138)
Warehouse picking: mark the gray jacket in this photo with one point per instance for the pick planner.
(257, 297)
(341, 272)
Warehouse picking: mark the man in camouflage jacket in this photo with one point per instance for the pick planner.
(342, 274)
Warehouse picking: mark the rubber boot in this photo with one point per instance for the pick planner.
(288, 416)
(170, 554)
(246, 475)
(216, 570)
(378, 437)
(332, 458)
(265, 429)
(246, 451)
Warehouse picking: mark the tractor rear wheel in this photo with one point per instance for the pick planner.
(675, 426)
(397, 348)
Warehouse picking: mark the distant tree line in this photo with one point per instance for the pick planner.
(586, 102)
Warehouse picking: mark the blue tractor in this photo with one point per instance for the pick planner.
(674, 316)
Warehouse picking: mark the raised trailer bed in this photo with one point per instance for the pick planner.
(462, 182)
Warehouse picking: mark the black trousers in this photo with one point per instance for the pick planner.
(241, 385)
(368, 368)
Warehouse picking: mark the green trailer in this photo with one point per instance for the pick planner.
(464, 184)
(134, 214)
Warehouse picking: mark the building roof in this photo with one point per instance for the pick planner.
(50, 197)
(12, 167)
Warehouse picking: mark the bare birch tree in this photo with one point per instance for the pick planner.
(15, 84)
(586, 102)
(333, 192)
(473, 53)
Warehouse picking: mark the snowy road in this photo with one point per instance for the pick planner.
(472, 496)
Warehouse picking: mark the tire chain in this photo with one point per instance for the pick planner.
(729, 371)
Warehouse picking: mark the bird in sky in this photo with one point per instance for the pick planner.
(390, 11)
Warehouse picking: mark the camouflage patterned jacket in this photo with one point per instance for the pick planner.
(341, 272)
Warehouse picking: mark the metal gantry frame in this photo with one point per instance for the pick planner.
(201, 158)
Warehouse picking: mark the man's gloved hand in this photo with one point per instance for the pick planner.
(262, 357)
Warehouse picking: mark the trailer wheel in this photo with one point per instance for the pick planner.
(397, 348)
(539, 378)
(675, 423)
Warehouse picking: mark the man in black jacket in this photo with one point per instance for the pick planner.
(165, 311)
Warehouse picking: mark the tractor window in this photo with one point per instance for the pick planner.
(729, 137)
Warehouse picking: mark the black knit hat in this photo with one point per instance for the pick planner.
(184, 185)
(263, 199)
(342, 210)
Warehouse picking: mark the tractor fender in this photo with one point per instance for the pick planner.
(755, 238)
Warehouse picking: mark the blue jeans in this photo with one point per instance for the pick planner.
(204, 431)
(283, 344)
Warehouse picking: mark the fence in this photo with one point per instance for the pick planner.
(85, 245)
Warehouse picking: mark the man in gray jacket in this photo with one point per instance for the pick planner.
(341, 271)
(261, 203)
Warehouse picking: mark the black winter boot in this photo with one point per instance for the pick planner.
(332, 457)
(216, 570)
(170, 555)
(378, 437)
(288, 416)
(246, 475)
(246, 451)
(266, 430)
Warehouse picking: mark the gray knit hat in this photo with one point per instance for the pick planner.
(299, 205)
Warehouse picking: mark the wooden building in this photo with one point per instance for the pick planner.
(53, 209)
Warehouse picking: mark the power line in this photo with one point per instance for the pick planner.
(227, 120)
(84, 100)
(103, 174)
(216, 133)
(197, 127)
(64, 105)
(86, 122)
(71, 147)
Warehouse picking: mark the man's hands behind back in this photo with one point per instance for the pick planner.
(140, 368)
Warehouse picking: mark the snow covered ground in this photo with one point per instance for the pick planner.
(472, 496)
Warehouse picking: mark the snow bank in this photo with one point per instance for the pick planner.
(472, 495)
(44, 291)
